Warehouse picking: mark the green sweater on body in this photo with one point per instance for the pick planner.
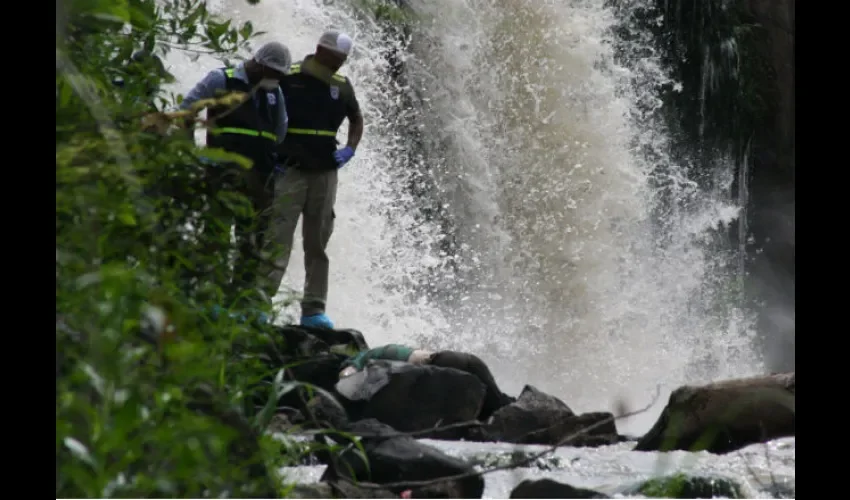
(392, 352)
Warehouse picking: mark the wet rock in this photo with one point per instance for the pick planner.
(684, 486)
(413, 398)
(312, 356)
(337, 490)
(326, 412)
(725, 416)
(393, 459)
(539, 418)
(547, 488)
(494, 398)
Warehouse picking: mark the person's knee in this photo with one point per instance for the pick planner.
(315, 237)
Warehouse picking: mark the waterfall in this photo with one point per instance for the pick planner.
(539, 140)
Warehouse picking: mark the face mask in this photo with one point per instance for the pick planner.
(269, 84)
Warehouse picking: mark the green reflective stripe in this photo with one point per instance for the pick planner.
(244, 131)
(229, 72)
(306, 131)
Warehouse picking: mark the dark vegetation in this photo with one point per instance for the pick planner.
(154, 397)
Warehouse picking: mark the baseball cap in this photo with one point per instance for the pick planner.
(274, 55)
(336, 41)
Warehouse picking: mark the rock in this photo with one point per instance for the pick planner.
(494, 398)
(326, 412)
(547, 488)
(413, 398)
(683, 486)
(312, 356)
(538, 418)
(392, 459)
(725, 416)
(336, 490)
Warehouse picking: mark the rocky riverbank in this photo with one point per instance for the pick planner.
(374, 421)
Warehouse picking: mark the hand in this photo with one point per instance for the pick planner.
(343, 155)
(156, 122)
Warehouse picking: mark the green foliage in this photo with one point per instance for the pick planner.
(684, 486)
(154, 397)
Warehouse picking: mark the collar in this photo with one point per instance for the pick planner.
(312, 67)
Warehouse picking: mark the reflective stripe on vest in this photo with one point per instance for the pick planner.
(296, 68)
(244, 131)
(307, 131)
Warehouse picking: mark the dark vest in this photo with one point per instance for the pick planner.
(249, 129)
(316, 106)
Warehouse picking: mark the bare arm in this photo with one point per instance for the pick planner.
(355, 130)
(355, 122)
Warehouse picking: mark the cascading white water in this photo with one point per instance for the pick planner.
(564, 283)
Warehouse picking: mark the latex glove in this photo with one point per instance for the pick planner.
(343, 155)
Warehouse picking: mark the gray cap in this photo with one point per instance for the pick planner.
(336, 41)
(274, 55)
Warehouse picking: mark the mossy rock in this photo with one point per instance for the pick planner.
(684, 486)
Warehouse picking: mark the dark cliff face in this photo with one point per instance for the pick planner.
(772, 190)
(735, 62)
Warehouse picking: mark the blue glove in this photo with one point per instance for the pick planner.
(320, 320)
(343, 155)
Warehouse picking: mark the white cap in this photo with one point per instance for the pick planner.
(274, 55)
(336, 41)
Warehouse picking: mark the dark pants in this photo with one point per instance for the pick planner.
(310, 195)
(470, 363)
(251, 223)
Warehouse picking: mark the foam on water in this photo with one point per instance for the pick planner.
(566, 282)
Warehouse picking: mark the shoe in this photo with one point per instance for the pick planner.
(320, 320)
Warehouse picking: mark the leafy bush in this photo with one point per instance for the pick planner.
(152, 398)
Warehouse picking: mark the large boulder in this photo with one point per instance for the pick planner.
(413, 398)
(547, 488)
(494, 398)
(394, 458)
(336, 490)
(539, 418)
(725, 416)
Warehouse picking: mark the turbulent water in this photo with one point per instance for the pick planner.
(761, 471)
(582, 261)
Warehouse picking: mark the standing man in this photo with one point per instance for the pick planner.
(318, 100)
(253, 129)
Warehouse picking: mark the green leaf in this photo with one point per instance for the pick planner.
(117, 11)
(221, 156)
(246, 30)
(127, 218)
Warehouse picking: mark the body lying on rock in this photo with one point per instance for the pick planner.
(419, 390)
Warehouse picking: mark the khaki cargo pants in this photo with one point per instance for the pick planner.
(311, 194)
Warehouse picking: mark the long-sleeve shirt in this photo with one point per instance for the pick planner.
(393, 352)
(216, 81)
